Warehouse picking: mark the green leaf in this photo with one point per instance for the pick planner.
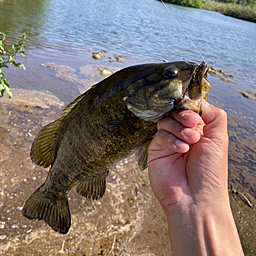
(1, 86)
(9, 92)
(19, 65)
(2, 51)
(6, 87)
(2, 36)
(2, 90)
(22, 53)
(10, 57)
(3, 65)
(4, 81)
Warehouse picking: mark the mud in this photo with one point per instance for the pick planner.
(104, 54)
(221, 74)
(86, 77)
(247, 94)
(127, 220)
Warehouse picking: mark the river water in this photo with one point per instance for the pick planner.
(62, 32)
(141, 29)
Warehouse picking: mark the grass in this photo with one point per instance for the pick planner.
(233, 10)
(245, 12)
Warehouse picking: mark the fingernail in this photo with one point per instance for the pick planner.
(184, 116)
(181, 146)
(206, 102)
(188, 133)
(178, 143)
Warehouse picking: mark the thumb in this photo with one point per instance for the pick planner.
(215, 120)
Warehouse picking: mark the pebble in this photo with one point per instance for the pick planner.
(97, 55)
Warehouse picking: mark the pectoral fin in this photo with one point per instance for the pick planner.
(141, 156)
(41, 150)
(152, 114)
(93, 188)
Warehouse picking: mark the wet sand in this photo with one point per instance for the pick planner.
(127, 220)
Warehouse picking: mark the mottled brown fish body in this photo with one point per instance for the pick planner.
(109, 122)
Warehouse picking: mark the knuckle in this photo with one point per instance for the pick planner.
(223, 113)
(159, 124)
(168, 140)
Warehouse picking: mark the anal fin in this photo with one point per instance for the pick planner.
(93, 188)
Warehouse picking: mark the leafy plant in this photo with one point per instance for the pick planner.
(241, 9)
(189, 3)
(8, 58)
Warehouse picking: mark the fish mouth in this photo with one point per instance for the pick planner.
(202, 73)
(180, 91)
(197, 89)
(194, 90)
(198, 77)
(183, 91)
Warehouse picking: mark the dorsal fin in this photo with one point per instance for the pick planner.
(71, 105)
(41, 150)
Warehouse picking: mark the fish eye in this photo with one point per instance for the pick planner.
(170, 73)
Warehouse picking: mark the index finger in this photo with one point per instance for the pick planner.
(187, 118)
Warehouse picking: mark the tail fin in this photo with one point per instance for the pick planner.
(53, 210)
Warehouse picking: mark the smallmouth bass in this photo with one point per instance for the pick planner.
(106, 124)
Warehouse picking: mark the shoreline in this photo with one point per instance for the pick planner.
(242, 12)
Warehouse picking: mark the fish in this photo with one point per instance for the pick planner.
(112, 120)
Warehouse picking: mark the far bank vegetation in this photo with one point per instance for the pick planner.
(241, 9)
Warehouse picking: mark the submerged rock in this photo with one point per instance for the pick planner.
(26, 98)
(247, 94)
(105, 72)
(222, 75)
(97, 55)
(85, 78)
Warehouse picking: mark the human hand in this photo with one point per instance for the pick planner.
(188, 171)
(188, 158)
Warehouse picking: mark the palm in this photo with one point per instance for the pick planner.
(174, 181)
(178, 176)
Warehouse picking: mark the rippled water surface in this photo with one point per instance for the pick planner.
(138, 28)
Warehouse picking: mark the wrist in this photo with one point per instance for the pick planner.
(204, 231)
(188, 204)
(188, 214)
